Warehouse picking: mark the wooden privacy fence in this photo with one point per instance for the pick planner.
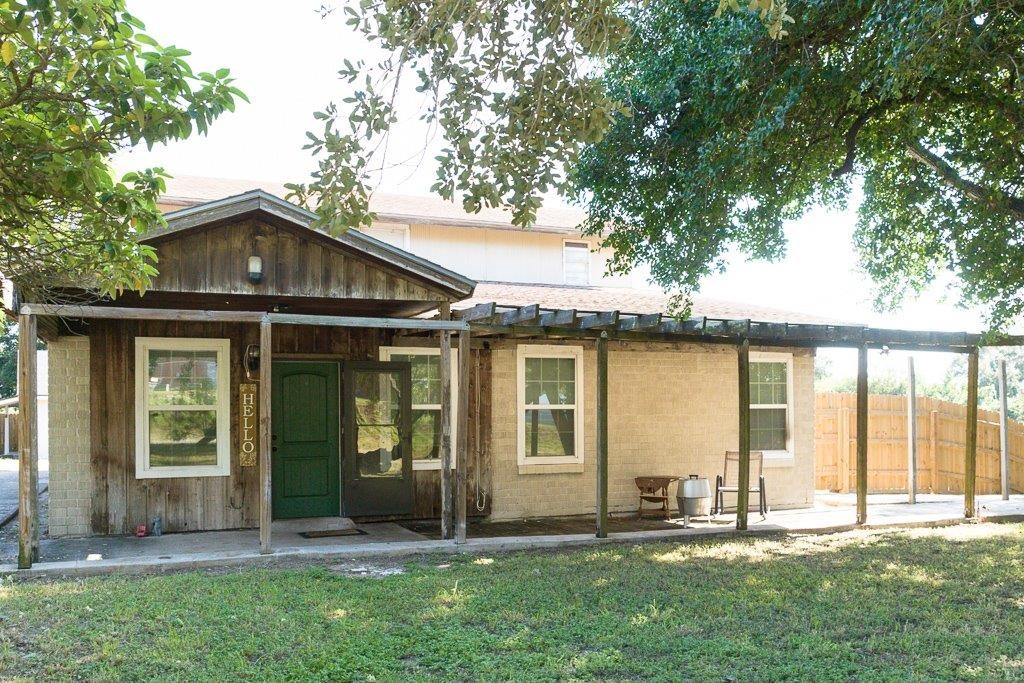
(941, 431)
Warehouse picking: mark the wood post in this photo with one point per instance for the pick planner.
(971, 440)
(743, 494)
(28, 444)
(911, 431)
(265, 435)
(445, 371)
(462, 438)
(602, 436)
(1004, 435)
(862, 434)
(933, 451)
(844, 449)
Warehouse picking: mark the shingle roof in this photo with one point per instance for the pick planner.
(184, 190)
(628, 301)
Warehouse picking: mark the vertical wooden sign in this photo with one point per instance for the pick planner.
(248, 425)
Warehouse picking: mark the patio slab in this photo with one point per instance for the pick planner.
(224, 549)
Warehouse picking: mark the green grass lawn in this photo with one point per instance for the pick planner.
(926, 605)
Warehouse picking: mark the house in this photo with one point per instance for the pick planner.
(574, 384)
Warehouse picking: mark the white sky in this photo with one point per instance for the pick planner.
(285, 57)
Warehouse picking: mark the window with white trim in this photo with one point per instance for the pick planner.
(771, 403)
(426, 401)
(550, 399)
(576, 262)
(182, 407)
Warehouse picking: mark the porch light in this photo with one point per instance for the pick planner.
(255, 269)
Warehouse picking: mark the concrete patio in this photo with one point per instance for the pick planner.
(222, 549)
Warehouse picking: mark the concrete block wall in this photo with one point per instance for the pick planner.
(672, 411)
(68, 387)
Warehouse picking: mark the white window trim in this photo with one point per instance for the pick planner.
(386, 352)
(524, 351)
(143, 345)
(564, 250)
(787, 358)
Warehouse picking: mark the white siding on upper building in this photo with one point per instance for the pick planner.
(507, 255)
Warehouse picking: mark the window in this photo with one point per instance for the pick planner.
(550, 388)
(182, 414)
(392, 233)
(576, 262)
(426, 401)
(770, 402)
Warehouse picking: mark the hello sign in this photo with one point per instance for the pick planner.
(248, 425)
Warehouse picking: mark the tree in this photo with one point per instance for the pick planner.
(78, 81)
(687, 136)
(730, 134)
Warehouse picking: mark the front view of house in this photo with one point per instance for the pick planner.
(155, 404)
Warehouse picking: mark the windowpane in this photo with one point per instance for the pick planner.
(550, 433)
(426, 377)
(377, 412)
(182, 377)
(768, 383)
(181, 438)
(550, 381)
(768, 429)
(426, 434)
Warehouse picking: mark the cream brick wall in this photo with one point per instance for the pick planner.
(70, 503)
(671, 410)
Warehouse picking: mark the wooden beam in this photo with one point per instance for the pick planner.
(445, 371)
(266, 436)
(565, 317)
(359, 322)
(862, 434)
(911, 431)
(522, 315)
(639, 322)
(743, 494)
(602, 320)
(1004, 435)
(971, 441)
(28, 444)
(480, 312)
(602, 435)
(119, 313)
(462, 437)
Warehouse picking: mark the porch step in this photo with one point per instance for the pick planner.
(297, 526)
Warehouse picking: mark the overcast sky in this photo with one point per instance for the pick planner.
(285, 56)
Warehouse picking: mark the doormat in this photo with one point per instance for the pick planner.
(328, 533)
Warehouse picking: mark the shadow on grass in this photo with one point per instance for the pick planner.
(923, 604)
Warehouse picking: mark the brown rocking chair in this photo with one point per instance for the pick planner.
(729, 481)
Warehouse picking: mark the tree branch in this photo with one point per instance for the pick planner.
(996, 199)
(851, 141)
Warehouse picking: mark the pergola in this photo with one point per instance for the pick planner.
(491, 320)
(536, 322)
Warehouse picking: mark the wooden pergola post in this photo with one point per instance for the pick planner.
(862, 434)
(911, 431)
(28, 444)
(971, 440)
(445, 372)
(265, 435)
(462, 438)
(1004, 435)
(602, 435)
(743, 494)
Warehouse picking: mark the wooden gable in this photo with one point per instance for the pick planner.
(297, 262)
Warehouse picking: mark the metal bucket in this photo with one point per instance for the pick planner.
(693, 496)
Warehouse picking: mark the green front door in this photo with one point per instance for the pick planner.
(304, 434)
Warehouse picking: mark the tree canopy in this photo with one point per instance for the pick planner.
(78, 81)
(687, 135)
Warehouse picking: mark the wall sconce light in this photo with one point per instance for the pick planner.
(255, 269)
(251, 361)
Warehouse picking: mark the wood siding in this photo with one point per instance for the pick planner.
(120, 501)
(295, 263)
